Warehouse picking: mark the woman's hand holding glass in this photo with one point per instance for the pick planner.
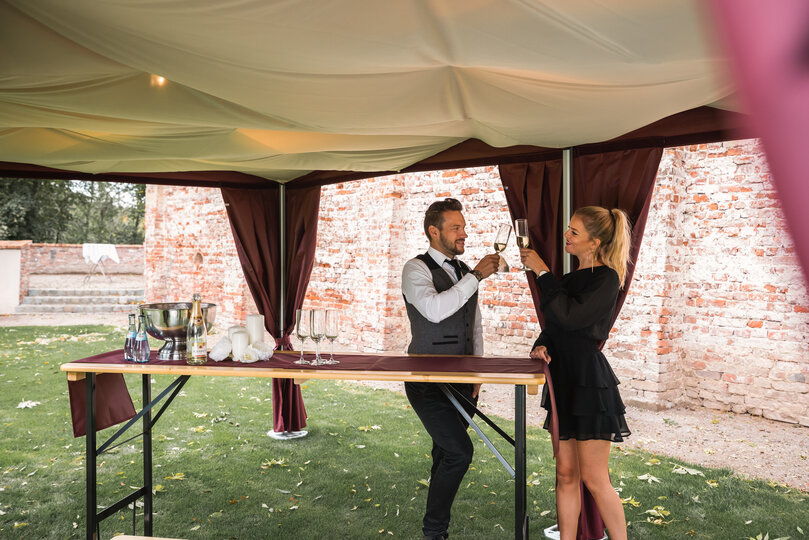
(532, 261)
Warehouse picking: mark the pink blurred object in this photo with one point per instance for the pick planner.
(768, 43)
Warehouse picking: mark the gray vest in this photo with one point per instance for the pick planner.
(453, 335)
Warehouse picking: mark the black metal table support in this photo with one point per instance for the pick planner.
(146, 383)
(520, 515)
(93, 515)
(90, 458)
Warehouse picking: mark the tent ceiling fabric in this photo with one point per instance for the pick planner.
(281, 89)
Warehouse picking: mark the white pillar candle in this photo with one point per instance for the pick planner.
(235, 329)
(255, 328)
(238, 342)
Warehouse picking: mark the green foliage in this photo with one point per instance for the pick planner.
(361, 472)
(72, 212)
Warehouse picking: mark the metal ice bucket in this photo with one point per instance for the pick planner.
(169, 321)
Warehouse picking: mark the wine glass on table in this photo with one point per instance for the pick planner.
(302, 331)
(501, 239)
(521, 232)
(332, 330)
(317, 330)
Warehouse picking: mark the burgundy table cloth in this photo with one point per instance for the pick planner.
(114, 405)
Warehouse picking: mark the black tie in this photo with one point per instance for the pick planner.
(455, 263)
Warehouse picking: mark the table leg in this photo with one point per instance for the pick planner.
(147, 455)
(90, 457)
(520, 516)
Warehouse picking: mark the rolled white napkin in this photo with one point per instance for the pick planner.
(221, 350)
(262, 351)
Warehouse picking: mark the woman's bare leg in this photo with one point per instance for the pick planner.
(568, 489)
(594, 469)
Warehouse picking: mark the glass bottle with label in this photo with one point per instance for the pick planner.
(197, 335)
(141, 348)
(129, 344)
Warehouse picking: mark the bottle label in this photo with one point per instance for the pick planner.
(131, 334)
(198, 348)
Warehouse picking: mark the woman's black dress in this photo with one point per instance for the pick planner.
(578, 317)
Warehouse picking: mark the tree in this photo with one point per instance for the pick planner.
(56, 211)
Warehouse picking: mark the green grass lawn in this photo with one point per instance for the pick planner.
(361, 472)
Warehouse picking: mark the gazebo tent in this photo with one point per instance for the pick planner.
(271, 100)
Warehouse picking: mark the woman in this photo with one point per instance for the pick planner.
(578, 316)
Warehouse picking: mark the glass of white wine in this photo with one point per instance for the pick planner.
(332, 330)
(302, 331)
(521, 232)
(501, 239)
(317, 330)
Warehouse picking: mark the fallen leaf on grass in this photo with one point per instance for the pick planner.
(368, 428)
(27, 404)
(712, 483)
(630, 501)
(679, 469)
(649, 478)
(175, 476)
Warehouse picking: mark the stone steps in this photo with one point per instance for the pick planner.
(80, 301)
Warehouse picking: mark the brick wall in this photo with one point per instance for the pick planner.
(717, 314)
(189, 248)
(68, 259)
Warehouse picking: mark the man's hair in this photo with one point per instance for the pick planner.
(435, 213)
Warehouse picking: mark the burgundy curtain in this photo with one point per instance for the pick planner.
(255, 224)
(622, 179)
(768, 44)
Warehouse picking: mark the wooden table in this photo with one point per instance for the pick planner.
(525, 374)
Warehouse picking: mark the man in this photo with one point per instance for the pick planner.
(441, 297)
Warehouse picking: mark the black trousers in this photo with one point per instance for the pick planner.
(452, 448)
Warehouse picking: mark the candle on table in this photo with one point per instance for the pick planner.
(255, 328)
(233, 329)
(238, 343)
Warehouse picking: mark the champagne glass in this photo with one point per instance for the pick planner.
(302, 331)
(521, 232)
(501, 239)
(332, 329)
(316, 332)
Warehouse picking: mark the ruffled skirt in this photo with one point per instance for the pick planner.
(588, 403)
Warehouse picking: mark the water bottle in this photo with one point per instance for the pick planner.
(129, 344)
(141, 348)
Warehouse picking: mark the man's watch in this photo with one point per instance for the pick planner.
(477, 274)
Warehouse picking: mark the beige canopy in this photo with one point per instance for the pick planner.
(281, 89)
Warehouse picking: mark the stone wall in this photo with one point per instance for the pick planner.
(68, 259)
(716, 315)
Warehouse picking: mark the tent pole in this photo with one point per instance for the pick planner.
(282, 246)
(567, 200)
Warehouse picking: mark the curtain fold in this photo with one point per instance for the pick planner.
(621, 179)
(255, 225)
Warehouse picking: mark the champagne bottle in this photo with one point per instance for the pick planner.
(197, 335)
(129, 344)
(141, 348)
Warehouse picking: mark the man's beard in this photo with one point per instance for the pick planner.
(450, 247)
